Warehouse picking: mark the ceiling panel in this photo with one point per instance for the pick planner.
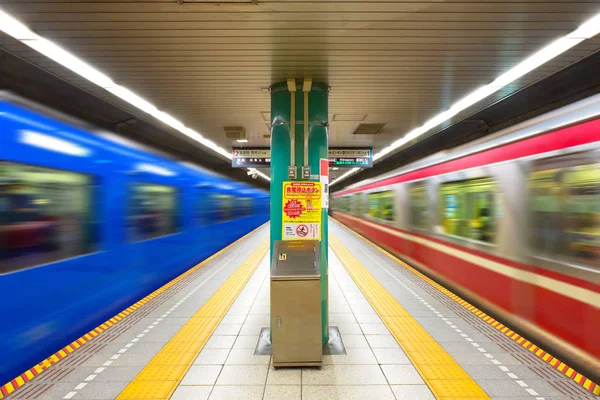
(395, 62)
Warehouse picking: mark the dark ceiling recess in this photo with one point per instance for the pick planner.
(25, 79)
(570, 84)
(368, 129)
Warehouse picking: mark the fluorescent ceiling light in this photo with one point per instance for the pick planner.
(11, 26)
(586, 30)
(154, 169)
(52, 143)
(242, 141)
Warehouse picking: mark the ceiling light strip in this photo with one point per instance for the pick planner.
(585, 31)
(12, 27)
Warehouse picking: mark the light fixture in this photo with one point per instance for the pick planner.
(52, 143)
(585, 31)
(154, 169)
(13, 27)
(242, 140)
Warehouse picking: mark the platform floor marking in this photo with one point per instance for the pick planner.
(467, 338)
(554, 362)
(18, 382)
(444, 376)
(141, 335)
(162, 375)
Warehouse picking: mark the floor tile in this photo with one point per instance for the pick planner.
(212, 357)
(246, 357)
(402, 375)
(228, 329)
(368, 318)
(374, 329)
(355, 341)
(412, 392)
(344, 375)
(382, 342)
(246, 342)
(243, 375)
(220, 342)
(234, 319)
(373, 392)
(280, 392)
(237, 393)
(191, 393)
(284, 376)
(201, 375)
(391, 356)
(356, 356)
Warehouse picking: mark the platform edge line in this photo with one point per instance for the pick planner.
(19, 381)
(554, 362)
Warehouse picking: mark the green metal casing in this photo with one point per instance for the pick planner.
(280, 160)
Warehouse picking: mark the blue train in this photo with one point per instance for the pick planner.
(89, 225)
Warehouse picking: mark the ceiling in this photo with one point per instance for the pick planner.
(392, 62)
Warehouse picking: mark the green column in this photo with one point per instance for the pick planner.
(280, 160)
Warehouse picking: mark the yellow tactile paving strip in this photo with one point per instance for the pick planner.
(583, 381)
(444, 376)
(162, 375)
(39, 368)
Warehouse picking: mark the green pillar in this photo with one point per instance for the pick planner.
(280, 160)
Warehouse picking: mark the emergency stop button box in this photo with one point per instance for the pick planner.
(296, 303)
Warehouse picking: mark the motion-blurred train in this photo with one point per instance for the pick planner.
(90, 224)
(511, 222)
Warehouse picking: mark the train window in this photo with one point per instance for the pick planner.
(419, 209)
(381, 205)
(468, 209)
(46, 215)
(565, 207)
(152, 211)
(244, 206)
(361, 204)
(224, 207)
(204, 207)
(345, 204)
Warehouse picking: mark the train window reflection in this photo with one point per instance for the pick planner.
(204, 207)
(46, 215)
(224, 209)
(360, 204)
(381, 205)
(244, 207)
(419, 210)
(565, 207)
(468, 209)
(153, 211)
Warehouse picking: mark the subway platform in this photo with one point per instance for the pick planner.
(403, 336)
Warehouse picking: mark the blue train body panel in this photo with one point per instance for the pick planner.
(45, 307)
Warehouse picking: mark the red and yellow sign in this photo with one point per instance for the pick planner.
(301, 214)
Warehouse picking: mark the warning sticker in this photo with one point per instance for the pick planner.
(301, 214)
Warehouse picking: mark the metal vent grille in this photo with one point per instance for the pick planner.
(368, 129)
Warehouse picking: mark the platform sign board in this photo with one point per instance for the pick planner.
(351, 157)
(301, 212)
(254, 157)
(324, 179)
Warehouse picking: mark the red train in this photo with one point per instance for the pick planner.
(511, 222)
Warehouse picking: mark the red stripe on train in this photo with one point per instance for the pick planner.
(569, 319)
(587, 132)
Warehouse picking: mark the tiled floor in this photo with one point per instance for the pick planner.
(374, 367)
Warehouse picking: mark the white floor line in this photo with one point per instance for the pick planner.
(144, 332)
(463, 335)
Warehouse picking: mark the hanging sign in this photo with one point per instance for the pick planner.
(324, 179)
(351, 157)
(301, 213)
(257, 157)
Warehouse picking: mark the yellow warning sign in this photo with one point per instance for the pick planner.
(301, 214)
